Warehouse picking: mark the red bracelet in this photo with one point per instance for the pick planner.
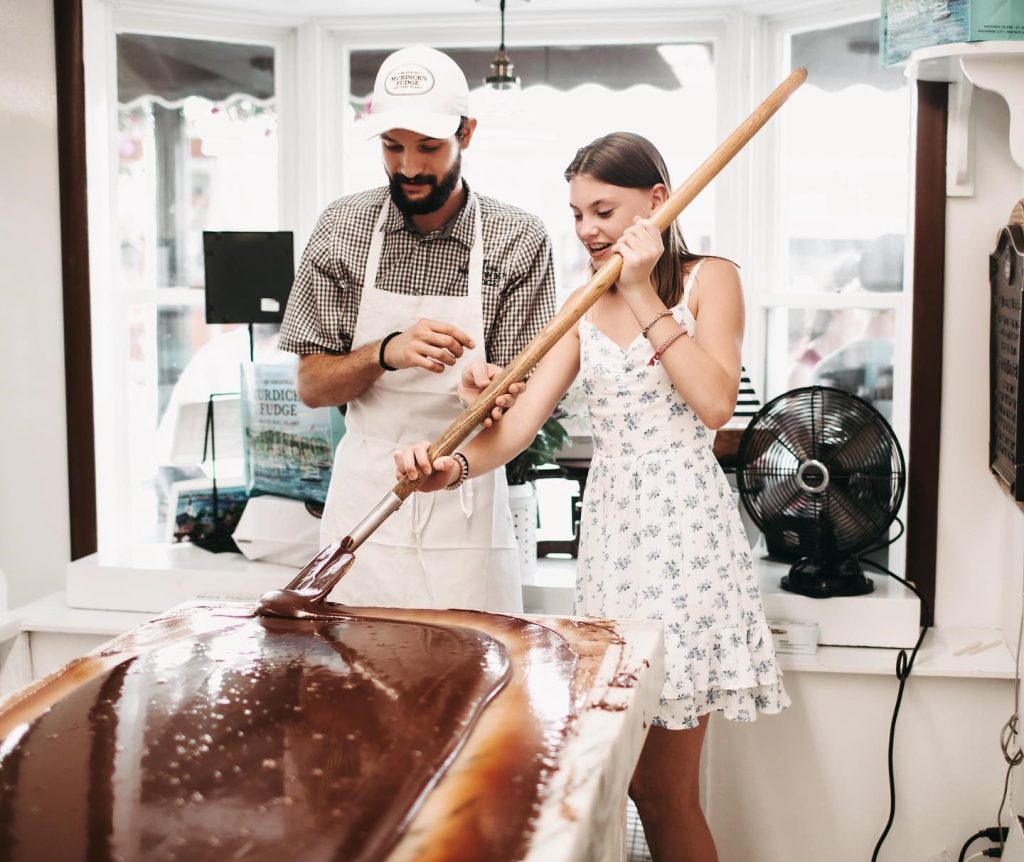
(666, 344)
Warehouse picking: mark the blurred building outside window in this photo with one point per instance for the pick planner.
(197, 149)
(832, 288)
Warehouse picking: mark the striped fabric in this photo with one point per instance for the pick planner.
(747, 404)
(636, 842)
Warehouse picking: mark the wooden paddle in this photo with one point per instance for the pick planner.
(314, 582)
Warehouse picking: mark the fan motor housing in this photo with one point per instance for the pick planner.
(813, 476)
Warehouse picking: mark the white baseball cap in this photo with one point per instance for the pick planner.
(419, 89)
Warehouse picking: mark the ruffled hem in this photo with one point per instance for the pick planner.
(732, 670)
(683, 713)
(728, 657)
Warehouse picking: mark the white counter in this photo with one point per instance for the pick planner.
(151, 578)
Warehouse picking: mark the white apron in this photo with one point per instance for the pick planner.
(450, 549)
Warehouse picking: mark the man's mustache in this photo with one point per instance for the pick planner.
(418, 180)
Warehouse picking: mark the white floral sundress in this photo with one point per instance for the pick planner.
(661, 538)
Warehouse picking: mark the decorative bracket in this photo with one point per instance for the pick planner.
(1002, 74)
(959, 155)
(995, 66)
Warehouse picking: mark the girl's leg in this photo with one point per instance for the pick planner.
(666, 791)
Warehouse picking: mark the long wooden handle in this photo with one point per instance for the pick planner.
(600, 281)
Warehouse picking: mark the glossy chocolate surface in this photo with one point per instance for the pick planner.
(218, 735)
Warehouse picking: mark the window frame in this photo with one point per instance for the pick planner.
(311, 77)
(723, 30)
(616, 28)
(767, 255)
(110, 304)
(775, 63)
(311, 80)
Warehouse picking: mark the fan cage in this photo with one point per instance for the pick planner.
(821, 473)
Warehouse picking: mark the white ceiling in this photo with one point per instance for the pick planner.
(342, 8)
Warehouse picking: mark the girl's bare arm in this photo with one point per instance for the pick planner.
(498, 444)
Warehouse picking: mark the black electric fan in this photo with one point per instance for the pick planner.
(822, 475)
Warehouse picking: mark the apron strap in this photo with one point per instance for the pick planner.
(376, 244)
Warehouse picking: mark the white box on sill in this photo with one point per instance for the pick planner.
(793, 636)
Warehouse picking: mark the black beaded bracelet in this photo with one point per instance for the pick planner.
(380, 356)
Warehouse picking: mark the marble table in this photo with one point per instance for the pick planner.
(581, 692)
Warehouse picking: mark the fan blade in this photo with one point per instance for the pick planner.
(868, 449)
(791, 431)
(776, 498)
(861, 528)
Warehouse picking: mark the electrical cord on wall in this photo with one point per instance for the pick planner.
(992, 833)
(903, 669)
(1008, 735)
(1013, 756)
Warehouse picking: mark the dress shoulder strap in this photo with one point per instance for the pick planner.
(690, 281)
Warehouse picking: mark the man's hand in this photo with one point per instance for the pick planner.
(428, 344)
(476, 377)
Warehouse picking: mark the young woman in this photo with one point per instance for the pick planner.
(660, 536)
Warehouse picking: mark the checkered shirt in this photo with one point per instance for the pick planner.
(518, 272)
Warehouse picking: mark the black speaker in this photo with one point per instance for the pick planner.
(249, 275)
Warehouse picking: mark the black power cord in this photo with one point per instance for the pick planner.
(904, 666)
(1014, 756)
(1012, 753)
(995, 834)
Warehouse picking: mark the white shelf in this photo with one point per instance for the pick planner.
(52, 614)
(944, 62)
(118, 593)
(995, 66)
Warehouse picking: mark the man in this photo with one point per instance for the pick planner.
(399, 290)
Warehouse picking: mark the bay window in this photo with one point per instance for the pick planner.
(243, 122)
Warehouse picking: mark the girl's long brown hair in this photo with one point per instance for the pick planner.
(633, 162)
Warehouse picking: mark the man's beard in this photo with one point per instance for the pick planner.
(439, 193)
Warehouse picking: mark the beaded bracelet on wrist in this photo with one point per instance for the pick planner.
(666, 344)
(464, 472)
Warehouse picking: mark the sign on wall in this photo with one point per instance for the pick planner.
(1006, 406)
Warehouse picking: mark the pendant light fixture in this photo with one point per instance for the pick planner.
(502, 76)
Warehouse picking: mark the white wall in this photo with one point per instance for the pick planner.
(981, 530)
(34, 540)
(810, 785)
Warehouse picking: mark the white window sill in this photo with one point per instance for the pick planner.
(151, 577)
(936, 658)
(553, 588)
